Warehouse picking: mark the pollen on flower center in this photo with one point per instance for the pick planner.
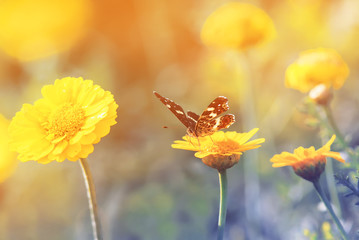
(66, 120)
(223, 146)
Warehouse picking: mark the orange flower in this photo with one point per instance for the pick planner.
(222, 149)
(307, 163)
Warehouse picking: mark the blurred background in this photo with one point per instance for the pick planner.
(146, 189)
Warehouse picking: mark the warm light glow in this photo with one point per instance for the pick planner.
(8, 161)
(32, 29)
(237, 25)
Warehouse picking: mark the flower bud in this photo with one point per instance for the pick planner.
(321, 94)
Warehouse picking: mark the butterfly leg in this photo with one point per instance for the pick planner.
(199, 143)
(189, 139)
(214, 143)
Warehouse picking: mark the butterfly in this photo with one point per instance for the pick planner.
(205, 124)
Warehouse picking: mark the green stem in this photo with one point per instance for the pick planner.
(222, 203)
(247, 99)
(329, 173)
(326, 202)
(91, 195)
(334, 126)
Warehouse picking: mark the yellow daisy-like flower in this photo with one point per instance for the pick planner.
(314, 67)
(237, 25)
(8, 161)
(222, 149)
(307, 163)
(73, 115)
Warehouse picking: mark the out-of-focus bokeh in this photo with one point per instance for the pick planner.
(145, 189)
(8, 161)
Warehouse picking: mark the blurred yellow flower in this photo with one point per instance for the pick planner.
(314, 67)
(73, 115)
(326, 228)
(222, 149)
(237, 25)
(8, 161)
(307, 163)
(32, 29)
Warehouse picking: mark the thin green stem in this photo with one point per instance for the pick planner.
(329, 172)
(340, 136)
(334, 126)
(222, 203)
(91, 195)
(247, 96)
(326, 202)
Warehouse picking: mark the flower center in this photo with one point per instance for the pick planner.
(223, 147)
(66, 121)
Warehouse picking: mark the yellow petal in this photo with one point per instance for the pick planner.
(72, 150)
(88, 139)
(334, 155)
(60, 147)
(327, 146)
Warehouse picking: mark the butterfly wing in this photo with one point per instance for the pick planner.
(176, 109)
(193, 116)
(192, 119)
(209, 122)
(218, 106)
(214, 125)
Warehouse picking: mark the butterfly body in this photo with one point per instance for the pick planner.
(205, 124)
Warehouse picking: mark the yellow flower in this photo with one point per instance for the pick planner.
(237, 25)
(73, 115)
(222, 149)
(314, 67)
(326, 228)
(32, 29)
(307, 163)
(8, 160)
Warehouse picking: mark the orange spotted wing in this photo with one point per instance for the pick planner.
(205, 124)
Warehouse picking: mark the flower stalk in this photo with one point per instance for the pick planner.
(91, 195)
(222, 203)
(326, 202)
(329, 114)
(344, 144)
